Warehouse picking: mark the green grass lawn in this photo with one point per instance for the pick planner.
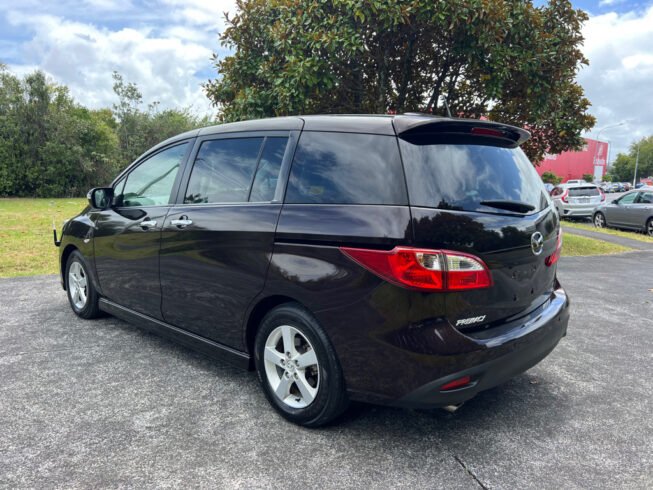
(26, 246)
(574, 245)
(609, 231)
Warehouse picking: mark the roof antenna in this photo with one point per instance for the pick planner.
(446, 104)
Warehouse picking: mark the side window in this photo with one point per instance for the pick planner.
(343, 168)
(645, 198)
(267, 172)
(150, 184)
(223, 171)
(628, 198)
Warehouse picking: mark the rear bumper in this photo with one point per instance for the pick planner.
(527, 345)
(577, 210)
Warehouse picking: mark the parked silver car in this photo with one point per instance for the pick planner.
(577, 200)
(633, 210)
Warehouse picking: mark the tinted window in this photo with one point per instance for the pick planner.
(583, 191)
(223, 171)
(645, 198)
(267, 172)
(150, 184)
(338, 168)
(461, 176)
(628, 198)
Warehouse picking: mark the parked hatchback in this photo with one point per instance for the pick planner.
(633, 211)
(577, 200)
(401, 260)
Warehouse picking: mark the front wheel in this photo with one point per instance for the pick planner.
(599, 220)
(82, 295)
(298, 368)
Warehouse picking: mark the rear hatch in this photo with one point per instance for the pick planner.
(584, 195)
(472, 189)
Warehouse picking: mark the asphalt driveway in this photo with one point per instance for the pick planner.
(104, 404)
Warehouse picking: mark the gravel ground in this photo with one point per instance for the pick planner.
(104, 404)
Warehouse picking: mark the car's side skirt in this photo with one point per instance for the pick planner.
(200, 344)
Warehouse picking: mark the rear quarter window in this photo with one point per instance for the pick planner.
(462, 176)
(346, 168)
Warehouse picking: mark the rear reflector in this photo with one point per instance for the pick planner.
(553, 258)
(456, 384)
(423, 269)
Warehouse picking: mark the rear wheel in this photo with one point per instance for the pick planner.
(599, 220)
(649, 227)
(82, 295)
(298, 368)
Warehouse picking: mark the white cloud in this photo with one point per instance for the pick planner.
(165, 49)
(619, 80)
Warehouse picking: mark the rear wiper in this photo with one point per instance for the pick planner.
(520, 207)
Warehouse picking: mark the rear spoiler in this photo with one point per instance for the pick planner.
(419, 124)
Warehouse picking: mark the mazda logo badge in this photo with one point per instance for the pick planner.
(537, 243)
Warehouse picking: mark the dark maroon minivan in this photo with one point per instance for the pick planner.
(405, 260)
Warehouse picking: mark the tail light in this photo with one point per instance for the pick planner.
(602, 195)
(423, 269)
(553, 258)
(565, 197)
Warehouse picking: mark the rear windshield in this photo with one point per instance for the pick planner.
(462, 176)
(583, 191)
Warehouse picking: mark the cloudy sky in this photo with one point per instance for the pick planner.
(164, 46)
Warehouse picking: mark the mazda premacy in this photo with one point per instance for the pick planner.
(404, 260)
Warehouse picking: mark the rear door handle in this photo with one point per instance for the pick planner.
(146, 225)
(181, 223)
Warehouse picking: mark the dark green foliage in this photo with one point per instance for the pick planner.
(551, 178)
(51, 146)
(588, 177)
(510, 61)
(623, 169)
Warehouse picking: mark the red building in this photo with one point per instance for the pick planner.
(572, 165)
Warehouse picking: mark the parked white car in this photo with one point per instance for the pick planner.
(577, 200)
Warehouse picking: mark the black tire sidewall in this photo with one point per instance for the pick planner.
(90, 308)
(329, 400)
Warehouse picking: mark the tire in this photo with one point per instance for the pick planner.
(82, 295)
(311, 393)
(599, 220)
(649, 227)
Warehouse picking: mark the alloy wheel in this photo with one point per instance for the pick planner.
(77, 285)
(291, 366)
(599, 220)
(649, 227)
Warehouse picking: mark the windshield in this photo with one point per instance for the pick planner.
(470, 177)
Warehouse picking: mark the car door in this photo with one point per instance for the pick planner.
(642, 209)
(127, 236)
(218, 239)
(620, 215)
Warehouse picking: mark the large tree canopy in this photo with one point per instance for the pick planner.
(506, 60)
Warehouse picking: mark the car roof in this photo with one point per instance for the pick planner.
(390, 125)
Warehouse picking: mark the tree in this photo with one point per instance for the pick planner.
(139, 130)
(550, 178)
(588, 177)
(623, 169)
(509, 61)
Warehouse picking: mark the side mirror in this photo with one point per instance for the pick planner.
(615, 201)
(100, 197)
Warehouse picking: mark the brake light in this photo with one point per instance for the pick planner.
(602, 195)
(423, 269)
(488, 132)
(565, 197)
(553, 258)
